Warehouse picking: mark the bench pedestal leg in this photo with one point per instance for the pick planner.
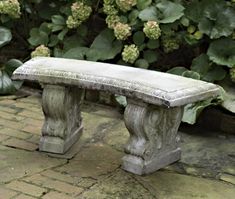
(63, 123)
(153, 142)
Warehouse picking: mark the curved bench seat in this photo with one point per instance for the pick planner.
(152, 116)
(149, 86)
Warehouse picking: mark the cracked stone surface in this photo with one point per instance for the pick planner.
(118, 185)
(91, 169)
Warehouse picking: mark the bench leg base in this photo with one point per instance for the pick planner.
(63, 122)
(154, 141)
(56, 144)
(139, 166)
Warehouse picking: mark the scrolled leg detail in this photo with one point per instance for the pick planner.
(153, 141)
(63, 123)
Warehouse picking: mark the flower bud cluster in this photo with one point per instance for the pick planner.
(11, 8)
(122, 31)
(112, 21)
(170, 43)
(126, 5)
(80, 13)
(110, 9)
(41, 51)
(130, 53)
(152, 30)
(73, 23)
(232, 74)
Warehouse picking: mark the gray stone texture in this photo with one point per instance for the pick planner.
(152, 116)
(149, 86)
(63, 123)
(15, 163)
(153, 142)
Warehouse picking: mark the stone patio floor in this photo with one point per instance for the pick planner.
(91, 169)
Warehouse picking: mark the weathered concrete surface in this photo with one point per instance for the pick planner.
(206, 170)
(118, 185)
(93, 161)
(15, 163)
(149, 86)
(174, 186)
(208, 154)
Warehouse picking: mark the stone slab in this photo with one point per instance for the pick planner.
(26, 188)
(20, 144)
(118, 185)
(7, 193)
(208, 153)
(150, 86)
(166, 185)
(93, 161)
(18, 163)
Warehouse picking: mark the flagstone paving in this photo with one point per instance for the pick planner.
(91, 169)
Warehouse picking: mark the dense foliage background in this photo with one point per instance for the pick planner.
(191, 38)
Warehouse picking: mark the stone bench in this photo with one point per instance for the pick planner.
(152, 116)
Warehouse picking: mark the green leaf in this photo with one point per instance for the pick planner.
(58, 20)
(192, 111)
(215, 73)
(185, 22)
(151, 56)
(222, 52)
(138, 38)
(38, 37)
(133, 15)
(142, 4)
(190, 39)
(53, 41)
(177, 70)
(191, 74)
(10, 86)
(76, 53)
(217, 18)
(12, 65)
(45, 27)
(121, 100)
(5, 36)
(4, 18)
(194, 11)
(83, 30)
(149, 14)
(123, 19)
(170, 11)
(229, 99)
(57, 52)
(153, 44)
(62, 34)
(104, 47)
(73, 42)
(55, 28)
(142, 63)
(201, 64)
(6, 85)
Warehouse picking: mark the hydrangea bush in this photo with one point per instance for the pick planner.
(191, 38)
